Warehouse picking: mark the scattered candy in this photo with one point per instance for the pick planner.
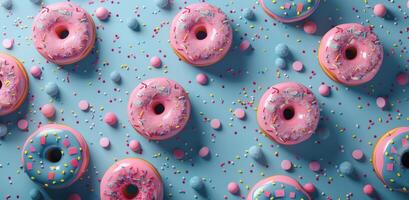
(280, 63)
(111, 118)
(240, 113)
(133, 24)
(358, 154)
(8, 43)
(36, 71)
(215, 124)
(255, 152)
(135, 145)
(248, 14)
(381, 102)
(115, 76)
(402, 78)
(179, 154)
(22, 124)
(156, 62)
(244, 45)
(51, 89)
(102, 13)
(314, 166)
(204, 152)
(162, 3)
(35, 194)
(309, 187)
(346, 168)
(233, 187)
(310, 27)
(298, 66)
(196, 183)
(202, 79)
(286, 165)
(368, 189)
(379, 10)
(48, 110)
(3, 130)
(83, 105)
(324, 90)
(282, 50)
(104, 142)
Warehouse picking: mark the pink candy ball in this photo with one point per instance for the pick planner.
(83, 105)
(379, 10)
(215, 124)
(8, 43)
(204, 152)
(402, 78)
(298, 66)
(202, 79)
(36, 71)
(110, 118)
(286, 165)
(240, 113)
(309, 187)
(74, 196)
(179, 154)
(314, 166)
(368, 189)
(104, 142)
(324, 90)
(357, 154)
(244, 45)
(310, 27)
(135, 145)
(22, 124)
(48, 110)
(233, 187)
(156, 62)
(381, 102)
(102, 13)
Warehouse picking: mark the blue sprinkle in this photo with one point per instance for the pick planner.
(162, 3)
(255, 152)
(196, 183)
(346, 168)
(36, 1)
(281, 63)
(115, 76)
(7, 4)
(133, 24)
(35, 194)
(3, 130)
(282, 50)
(51, 89)
(248, 13)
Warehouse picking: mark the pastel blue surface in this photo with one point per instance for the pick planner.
(350, 118)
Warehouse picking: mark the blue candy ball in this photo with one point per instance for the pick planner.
(133, 24)
(281, 63)
(7, 4)
(248, 13)
(346, 168)
(115, 76)
(51, 89)
(35, 194)
(36, 1)
(3, 130)
(196, 183)
(282, 50)
(162, 3)
(255, 152)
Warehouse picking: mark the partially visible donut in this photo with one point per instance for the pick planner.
(288, 11)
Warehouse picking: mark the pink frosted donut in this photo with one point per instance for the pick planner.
(390, 159)
(278, 187)
(350, 54)
(131, 178)
(13, 84)
(63, 33)
(158, 108)
(288, 113)
(55, 156)
(200, 34)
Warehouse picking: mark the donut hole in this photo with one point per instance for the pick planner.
(54, 154)
(201, 33)
(288, 113)
(130, 191)
(351, 53)
(62, 32)
(405, 159)
(158, 108)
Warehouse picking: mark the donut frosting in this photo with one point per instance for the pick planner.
(288, 97)
(131, 172)
(13, 84)
(147, 96)
(288, 11)
(201, 17)
(63, 18)
(389, 155)
(351, 54)
(278, 187)
(60, 173)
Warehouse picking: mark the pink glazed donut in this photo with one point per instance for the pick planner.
(131, 178)
(63, 33)
(350, 54)
(390, 159)
(288, 113)
(13, 84)
(201, 34)
(278, 187)
(159, 108)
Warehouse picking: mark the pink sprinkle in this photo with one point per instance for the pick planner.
(66, 143)
(215, 124)
(298, 66)
(36, 71)
(233, 187)
(310, 27)
(204, 152)
(104, 142)
(48, 110)
(286, 165)
(102, 13)
(29, 166)
(135, 145)
(324, 90)
(292, 195)
(74, 162)
(368, 189)
(279, 193)
(240, 113)
(389, 167)
(42, 140)
(201, 79)
(72, 150)
(83, 105)
(156, 62)
(74, 196)
(357, 154)
(402, 78)
(51, 175)
(381, 102)
(178, 153)
(22, 124)
(309, 187)
(244, 45)
(110, 118)
(8, 43)
(314, 166)
(380, 10)
(267, 194)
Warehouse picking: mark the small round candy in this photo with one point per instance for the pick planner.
(204, 152)
(8, 43)
(135, 145)
(233, 187)
(133, 24)
(201, 79)
(115, 76)
(244, 45)
(48, 110)
(402, 78)
(282, 50)
(35, 194)
(309, 187)
(368, 189)
(111, 118)
(162, 3)
(248, 13)
(255, 152)
(215, 124)
(280, 63)
(324, 90)
(22, 124)
(346, 168)
(196, 183)
(314, 166)
(358, 154)
(310, 27)
(286, 165)
(240, 113)
(156, 62)
(83, 105)
(104, 142)
(7, 4)
(3, 130)
(51, 89)
(381, 102)
(298, 66)
(379, 10)
(74, 196)
(102, 13)
(178, 153)
(36, 71)
(36, 1)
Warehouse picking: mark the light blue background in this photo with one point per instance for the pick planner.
(346, 114)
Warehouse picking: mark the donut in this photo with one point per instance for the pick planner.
(55, 156)
(131, 178)
(63, 33)
(13, 84)
(278, 187)
(288, 11)
(200, 34)
(390, 159)
(158, 108)
(288, 113)
(350, 54)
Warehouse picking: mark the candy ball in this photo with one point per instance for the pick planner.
(162, 3)
(346, 168)
(35, 194)
(48, 110)
(309, 187)
(255, 152)
(324, 90)
(83, 105)
(201, 79)
(248, 13)
(233, 187)
(280, 63)
(115, 76)
(310, 27)
(135, 145)
(102, 13)
(204, 152)
(104, 142)
(133, 24)
(3, 130)
(196, 183)
(215, 124)
(368, 189)
(358, 154)
(379, 10)
(286, 165)
(110, 118)
(156, 62)
(36, 71)
(51, 89)
(282, 50)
